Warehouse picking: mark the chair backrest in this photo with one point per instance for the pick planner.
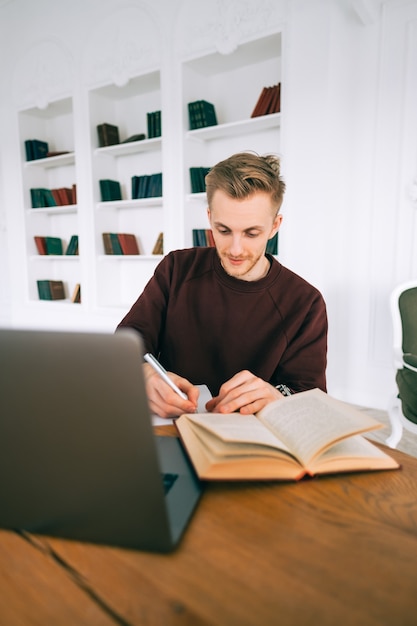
(404, 317)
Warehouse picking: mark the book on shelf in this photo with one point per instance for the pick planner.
(128, 243)
(54, 245)
(159, 244)
(76, 294)
(55, 153)
(154, 123)
(74, 193)
(138, 137)
(72, 248)
(147, 186)
(201, 114)
(63, 196)
(111, 243)
(306, 434)
(198, 179)
(269, 101)
(42, 197)
(40, 244)
(108, 135)
(51, 290)
(36, 149)
(202, 237)
(120, 243)
(110, 190)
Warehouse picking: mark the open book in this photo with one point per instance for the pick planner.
(305, 434)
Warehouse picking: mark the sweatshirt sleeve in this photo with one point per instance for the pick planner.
(303, 364)
(147, 315)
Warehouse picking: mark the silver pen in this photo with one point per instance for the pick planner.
(149, 358)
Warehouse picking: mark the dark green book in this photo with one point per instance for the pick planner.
(108, 135)
(53, 245)
(111, 243)
(51, 290)
(110, 190)
(36, 149)
(72, 247)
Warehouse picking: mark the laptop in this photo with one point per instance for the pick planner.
(78, 455)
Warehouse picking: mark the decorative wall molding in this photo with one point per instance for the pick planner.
(125, 44)
(368, 11)
(43, 74)
(222, 26)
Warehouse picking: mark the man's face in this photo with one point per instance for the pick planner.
(241, 229)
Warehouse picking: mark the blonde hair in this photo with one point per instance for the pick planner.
(244, 173)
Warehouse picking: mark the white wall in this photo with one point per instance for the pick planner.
(349, 155)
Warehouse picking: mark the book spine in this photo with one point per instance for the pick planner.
(40, 244)
(72, 248)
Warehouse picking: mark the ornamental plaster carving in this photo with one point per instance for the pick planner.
(124, 45)
(42, 75)
(222, 25)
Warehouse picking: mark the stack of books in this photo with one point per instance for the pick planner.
(147, 186)
(54, 245)
(154, 124)
(269, 101)
(120, 243)
(63, 196)
(51, 290)
(201, 114)
(202, 237)
(197, 178)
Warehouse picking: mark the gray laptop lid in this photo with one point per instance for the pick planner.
(78, 457)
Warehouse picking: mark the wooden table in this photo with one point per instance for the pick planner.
(333, 551)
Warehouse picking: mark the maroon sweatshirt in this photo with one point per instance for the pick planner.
(205, 325)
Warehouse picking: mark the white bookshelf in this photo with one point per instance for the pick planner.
(111, 283)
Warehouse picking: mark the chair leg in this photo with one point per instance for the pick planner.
(396, 426)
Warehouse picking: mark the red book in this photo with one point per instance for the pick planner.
(40, 244)
(128, 243)
(276, 100)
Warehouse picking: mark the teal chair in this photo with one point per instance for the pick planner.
(403, 407)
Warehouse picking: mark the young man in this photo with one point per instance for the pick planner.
(231, 316)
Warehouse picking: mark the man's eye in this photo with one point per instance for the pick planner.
(252, 235)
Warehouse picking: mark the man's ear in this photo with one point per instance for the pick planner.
(276, 225)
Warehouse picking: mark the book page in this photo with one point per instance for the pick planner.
(311, 421)
(238, 428)
(352, 453)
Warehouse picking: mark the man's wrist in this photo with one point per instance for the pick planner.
(284, 390)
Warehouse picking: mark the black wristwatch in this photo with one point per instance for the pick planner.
(286, 391)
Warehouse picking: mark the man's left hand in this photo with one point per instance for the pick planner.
(245, 393)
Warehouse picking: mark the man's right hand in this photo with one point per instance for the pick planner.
(164, 401)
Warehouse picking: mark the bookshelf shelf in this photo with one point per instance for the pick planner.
(231, 129)
(144, 203)
(50, 162)
(52, 210)
(130, 257)
(52, 258)
(123, 149)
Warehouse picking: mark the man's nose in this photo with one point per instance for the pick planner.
(236, 245)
